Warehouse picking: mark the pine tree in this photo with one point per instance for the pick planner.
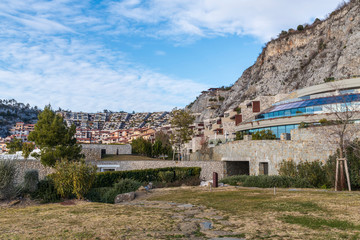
(55, 140)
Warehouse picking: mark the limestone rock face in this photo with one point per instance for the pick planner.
(298, 59)
(124, 197)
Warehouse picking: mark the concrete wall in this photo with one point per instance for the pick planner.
(308, 145)
(207, 167)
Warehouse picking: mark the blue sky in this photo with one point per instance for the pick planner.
(136, 55)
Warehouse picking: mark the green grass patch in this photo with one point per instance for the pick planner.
(242, 201)
(317, 223)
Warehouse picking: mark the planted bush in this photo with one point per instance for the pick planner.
(264, 181)
(315, 173)
(31, 180)
(235, 180)
(107, 195)
(46, 191)
(167, 176)
(7, 179)
(108, 179)
(73, 178)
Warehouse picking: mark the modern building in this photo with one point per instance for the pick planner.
(306, 106)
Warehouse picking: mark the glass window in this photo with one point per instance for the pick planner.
(293, 111)
(276, 114)
(317, 108)
(310, 110)
(274, 130)
(288, 128)
(281, 129)
(287, 112)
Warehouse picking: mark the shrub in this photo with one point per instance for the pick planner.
(265, 181)
(167, 176)
(239, 136)
(323, 122)
(107, 179)
(108, 194)
(46, 191)
(235, 180)
(300, 27)
(329, 79)
(83, 178)
(7, 178)
(73, 178)
(303, 125)
(97, 194)
(263, 135)
(31, 180)
(314, 173)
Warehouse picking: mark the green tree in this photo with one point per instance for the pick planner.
(157, 148)
(166, 148)
(182, 133)
(27, 148)
(15, 145)
(142, 147)
(55, 140)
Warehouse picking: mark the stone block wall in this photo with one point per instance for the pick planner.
(306, 145)
(25, 165)
(91, 154)
(93, 151)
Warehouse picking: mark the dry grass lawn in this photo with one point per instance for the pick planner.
(253, 213)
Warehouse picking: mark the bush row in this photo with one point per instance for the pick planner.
(264, 181)
(171, 174)
(108, 194)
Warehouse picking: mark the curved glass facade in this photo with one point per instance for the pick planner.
(277, 130)
(311, 106)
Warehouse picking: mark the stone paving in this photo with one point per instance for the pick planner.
(194, 222)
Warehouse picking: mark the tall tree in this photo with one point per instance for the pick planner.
(55, 140)
(182, 132)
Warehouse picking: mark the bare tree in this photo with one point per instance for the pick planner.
(182, 132)
(342, 110)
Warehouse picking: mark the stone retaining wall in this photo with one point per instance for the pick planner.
(25, 165)
(307, 145)
(93, 151)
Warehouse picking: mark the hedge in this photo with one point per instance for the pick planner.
(265, 181)
(107, 179)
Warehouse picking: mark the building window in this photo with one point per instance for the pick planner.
(264, 168)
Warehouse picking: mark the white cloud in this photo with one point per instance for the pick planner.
(46, 55)
(205, 18)
(160, 53)
(57, 72)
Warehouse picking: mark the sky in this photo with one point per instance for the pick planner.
(135, 55)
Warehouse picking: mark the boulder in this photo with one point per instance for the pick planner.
(124, 197)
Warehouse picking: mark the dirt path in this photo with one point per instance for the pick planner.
(193, 222)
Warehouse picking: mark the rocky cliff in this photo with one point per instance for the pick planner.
(297, 59)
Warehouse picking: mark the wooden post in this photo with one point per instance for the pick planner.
(343, 163)
(347, 174)
(336, 174)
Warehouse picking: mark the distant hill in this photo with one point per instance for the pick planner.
(11, 112)
(298, 58)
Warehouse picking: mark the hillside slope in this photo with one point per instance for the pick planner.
(297, 59)
(12, 112)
